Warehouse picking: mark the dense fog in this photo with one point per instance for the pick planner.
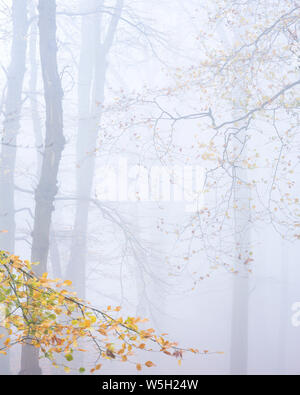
(150, 154)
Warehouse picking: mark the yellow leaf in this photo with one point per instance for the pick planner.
(86, 324)
(66, 369)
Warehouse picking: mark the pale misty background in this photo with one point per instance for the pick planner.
(164, 83)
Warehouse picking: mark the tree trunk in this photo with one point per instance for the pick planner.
(36, 121)
(240, 294)
(284, 308)
(92, 77)
(240, 308)
(54, 142)
(85, 144)
(54, 145)
(242, 216)
(11, 128)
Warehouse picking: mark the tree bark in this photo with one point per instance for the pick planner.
(11, 128)
(54, 146)
(54, 142)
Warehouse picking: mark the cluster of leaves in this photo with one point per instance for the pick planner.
(42, 313)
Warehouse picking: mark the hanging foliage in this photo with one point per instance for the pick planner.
(41, 312)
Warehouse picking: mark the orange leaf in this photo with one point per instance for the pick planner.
(149, 364)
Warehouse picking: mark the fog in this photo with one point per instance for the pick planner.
(150, 154)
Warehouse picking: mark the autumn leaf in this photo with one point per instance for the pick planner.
(7, 341)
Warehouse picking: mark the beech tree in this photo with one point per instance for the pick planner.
(91, 85)
(246, 132)
(207, 96)
(11, 125)
(54, 145)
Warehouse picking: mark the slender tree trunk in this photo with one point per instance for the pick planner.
(54, 141)
(36, 121)
(92, 77)
(240, 295)
(242, 217)
(11, 125)
(54, 145)
(85, 160)
(284, 308)
(11, 128)
(242, 236)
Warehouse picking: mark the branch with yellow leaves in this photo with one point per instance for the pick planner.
(41, 312)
